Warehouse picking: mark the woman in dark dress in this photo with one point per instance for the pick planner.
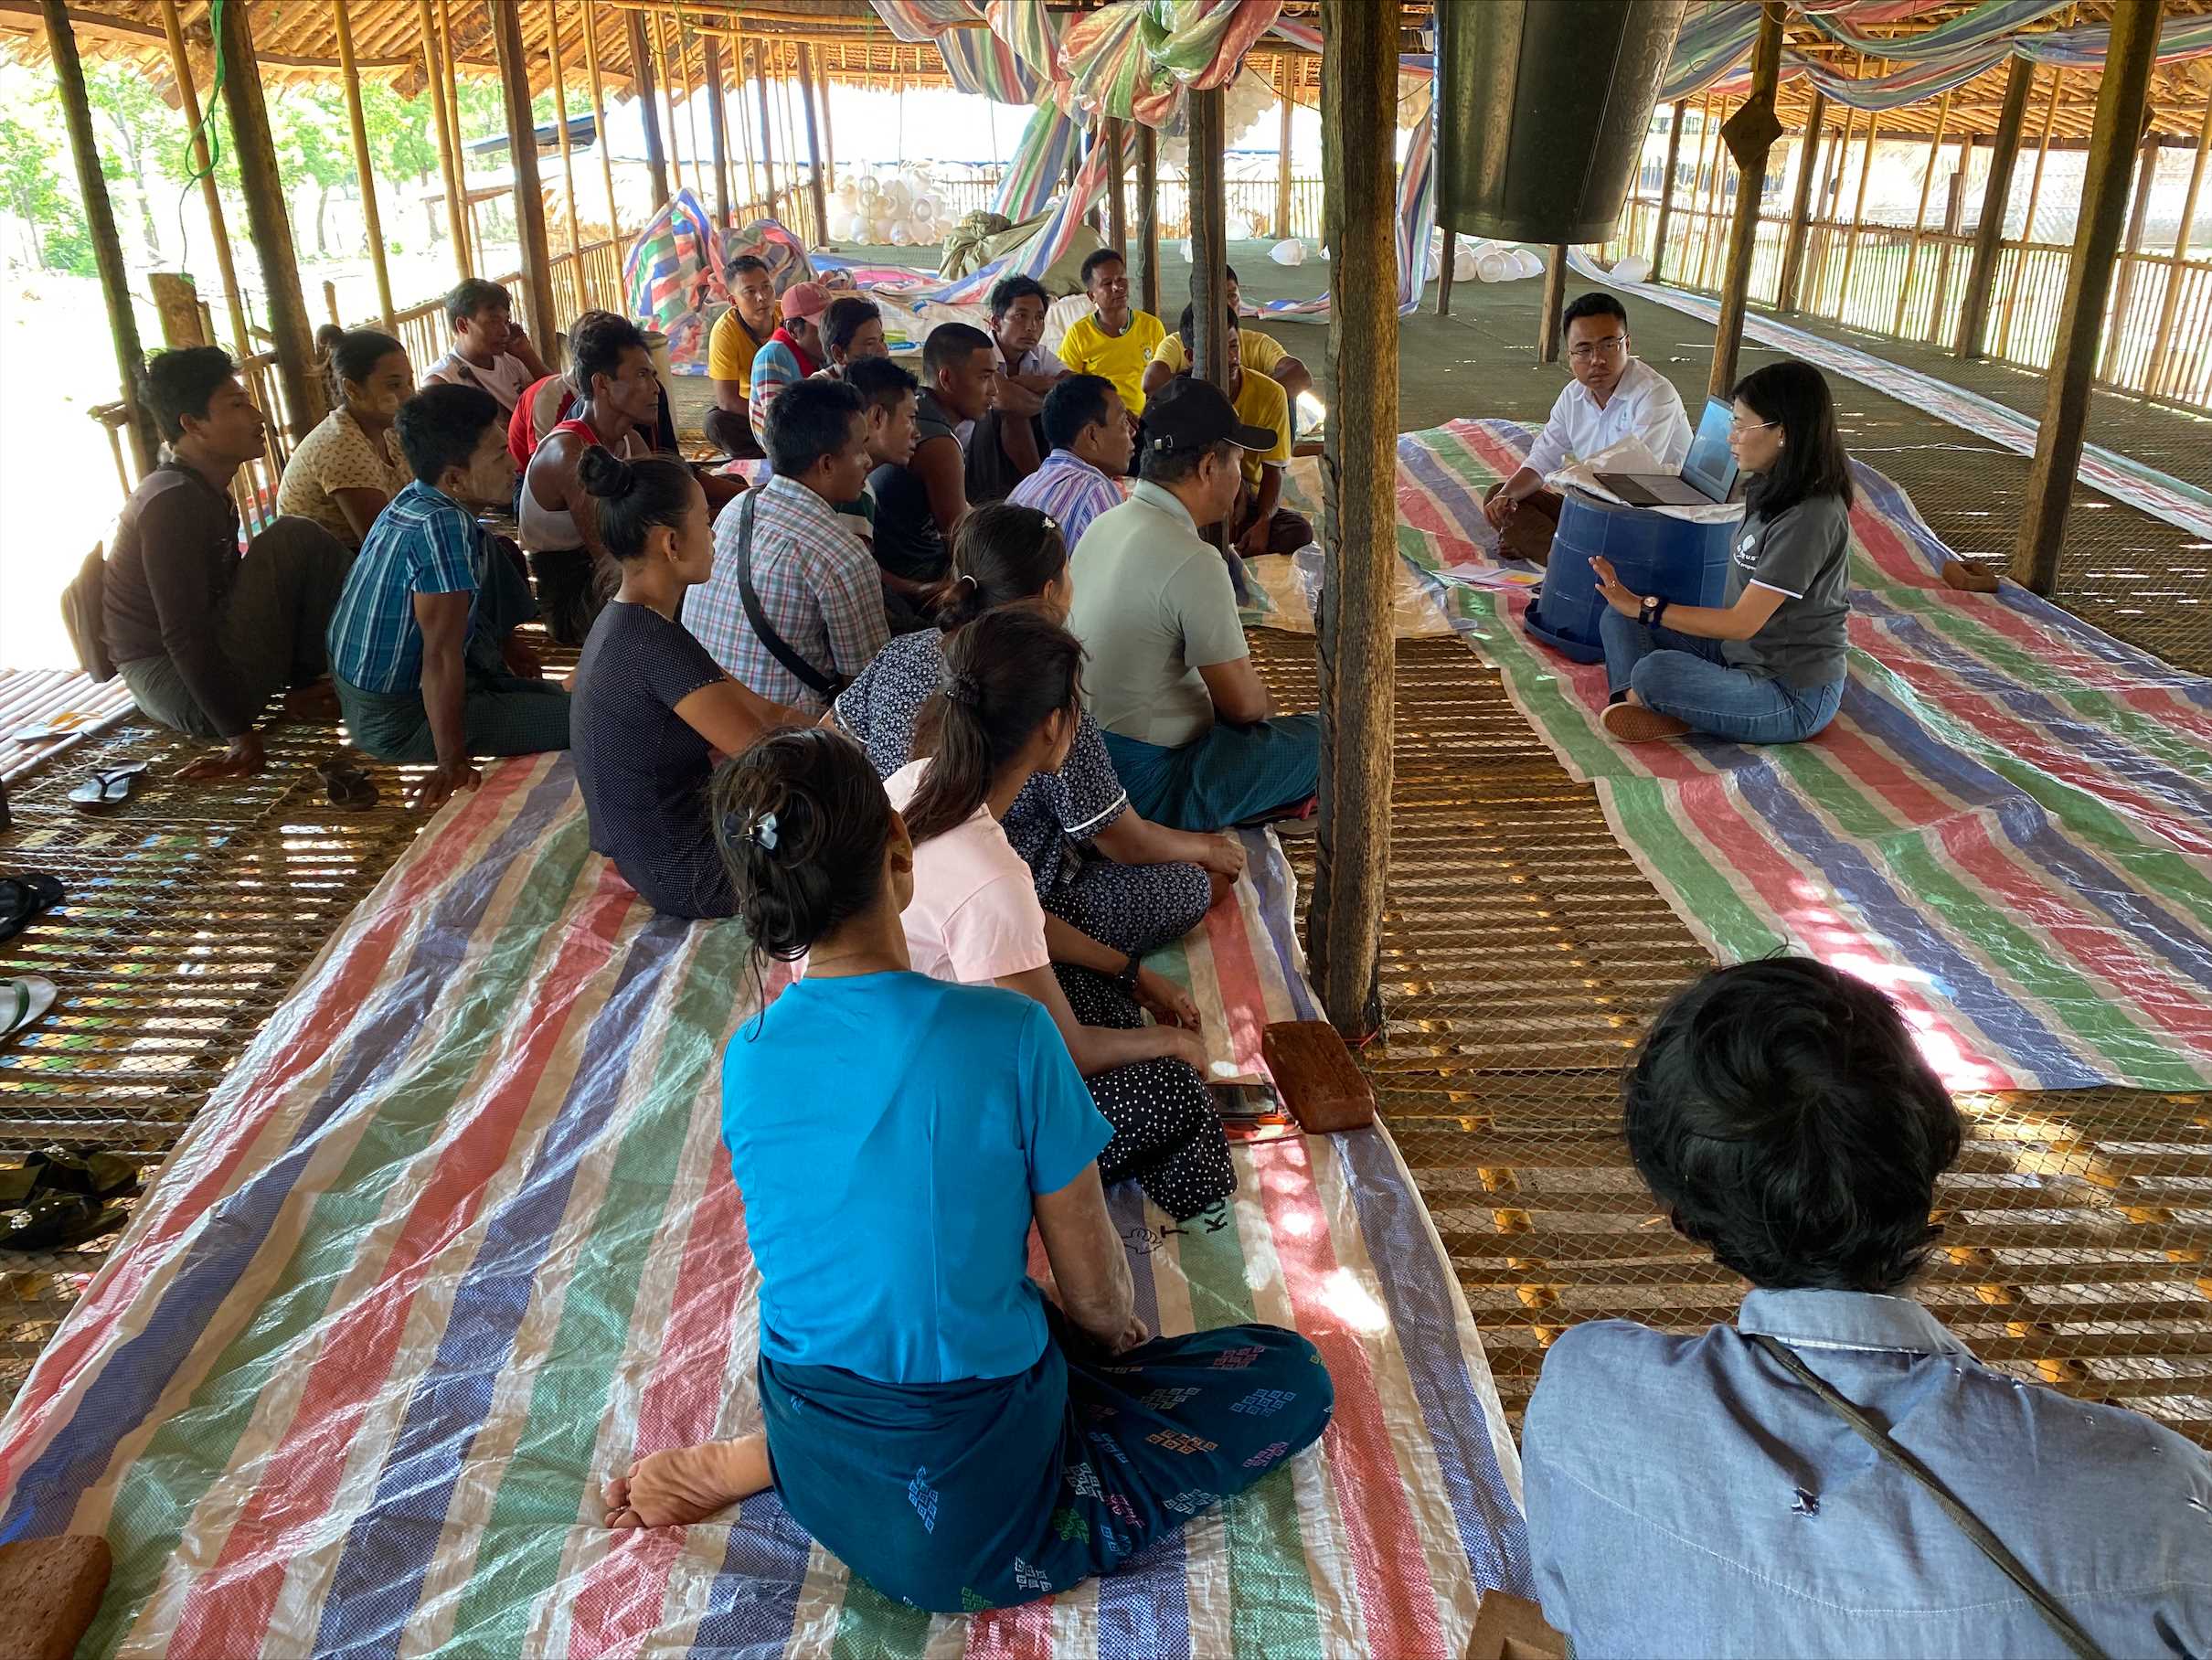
(651, 706)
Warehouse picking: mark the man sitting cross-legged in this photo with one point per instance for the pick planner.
(1258, 525)
(420, 647)
(1091, 436)
(1711, 1494)
(1008, 442)
(1116, 340)
(1255, 350)
(737, 338)
(813, 589)
(201, 636)
(887, 391)
(1171, 683)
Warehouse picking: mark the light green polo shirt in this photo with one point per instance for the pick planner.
(1153, 606)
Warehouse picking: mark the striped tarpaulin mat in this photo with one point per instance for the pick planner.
(456, 1239)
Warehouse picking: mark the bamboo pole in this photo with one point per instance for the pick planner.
(1920, 216)
(813, 145)
(263, 188)
(1282, 150)
(1793, 244)
(1859, 215)
(787, 135)
(1824, 228)
(1355, 651)
(1743, 234)
(363, 172)
(691, 109)
(211, 195)
(522, 154)
(752, 169)
(768, 142)
(829, 138)
(1148, 215)
(1554, 302)
(668, 71)
(1666, 187)
(442, 119)
(1117, 206)
(568, 158)
(599, 122)
(449, 89)
(2027, 229)
(2123, 92)
(2156, 376)
(640, 69)
(2130, 257)
(1208, 237)
(1996, 203)
(99, 224)
(1704, 182)
(718, 131)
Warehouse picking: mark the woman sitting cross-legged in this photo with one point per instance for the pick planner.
(931, 1418)
(1008, 708)
(651, 706)
(1148, 885)
(1768, 666)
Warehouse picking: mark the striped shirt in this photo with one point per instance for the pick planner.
(818, 586)
(1070, 490)
(423, 542)
(775, 365)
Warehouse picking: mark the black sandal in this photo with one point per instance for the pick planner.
(346, 784)
(50, 1222)
(24, 897)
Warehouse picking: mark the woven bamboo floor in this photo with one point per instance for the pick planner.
(1523, 955)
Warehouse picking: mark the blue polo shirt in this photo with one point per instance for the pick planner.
(888, 1133)
(423, 542)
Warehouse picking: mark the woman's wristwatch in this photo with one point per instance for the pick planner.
(1652, 608)
(1127, 978)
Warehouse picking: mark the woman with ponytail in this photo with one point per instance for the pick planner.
(1112, 883)
(651, 706)
(344, 471)
(958, 1439)
(1008, 709)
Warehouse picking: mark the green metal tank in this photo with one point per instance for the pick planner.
(1543, 106)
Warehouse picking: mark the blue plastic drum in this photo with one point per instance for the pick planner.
(1683, 563)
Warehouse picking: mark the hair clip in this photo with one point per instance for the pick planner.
(963, 688)
(760, 831)
(1050, 522)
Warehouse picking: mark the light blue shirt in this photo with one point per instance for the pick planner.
(422, 542)
(1687, 1496)
(888, 1132)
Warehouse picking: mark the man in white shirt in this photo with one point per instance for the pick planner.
(1611, 397)
(490, 349)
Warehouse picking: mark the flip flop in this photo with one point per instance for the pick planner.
(61, 726)
(48, 1221)
(108, 788)
(90, 1174)
(346, 784)
(24, 897)
(24, 999)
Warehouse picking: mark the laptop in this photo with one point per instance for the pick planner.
(1708, 471)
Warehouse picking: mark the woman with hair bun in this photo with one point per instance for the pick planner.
(1113, 884)
(651, 707)
(960, 1440)
(342, 474)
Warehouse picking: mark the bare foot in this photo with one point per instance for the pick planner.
(316, 702)
(688, 1485)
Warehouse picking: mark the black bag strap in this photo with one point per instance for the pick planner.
(805, 673)
(1968, 1523)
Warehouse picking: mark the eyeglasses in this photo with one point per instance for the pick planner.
(1740, 428)
(1597, 349)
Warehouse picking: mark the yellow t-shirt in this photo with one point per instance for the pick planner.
(1121, 358)
(730, 349)
(1262, 402)
(1254, 350)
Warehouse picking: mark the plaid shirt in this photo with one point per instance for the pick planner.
(818, 586)
(423, 542)
(1068, 489)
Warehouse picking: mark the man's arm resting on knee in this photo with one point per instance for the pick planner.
(444, 621)
(1240, 696)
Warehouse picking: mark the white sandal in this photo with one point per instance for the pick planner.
(24, 1000)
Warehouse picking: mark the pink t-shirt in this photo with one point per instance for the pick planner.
(974, 916)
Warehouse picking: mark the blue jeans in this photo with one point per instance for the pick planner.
(1692, 680)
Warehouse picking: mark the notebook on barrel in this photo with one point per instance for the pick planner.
(1708, 471)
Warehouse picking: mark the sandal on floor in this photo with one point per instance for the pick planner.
(86, 1175)
(108, 787)
(49, 1221)
(24, 897)
(346, 784)
(1633, 723)
(24, 1000)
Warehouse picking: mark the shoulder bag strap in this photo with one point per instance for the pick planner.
(805, 673)
(1968, 1523)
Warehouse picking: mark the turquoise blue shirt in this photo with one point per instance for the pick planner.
(886, 1131)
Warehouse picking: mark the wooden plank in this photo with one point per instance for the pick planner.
(2122, 90)
(365, 174)
(1793, 244)
(211, 195)
(99, 224)
(641, 71)
(1208, 237)
(263, 187)
(1996, 203)
(1743, 234)
(1356, 648)
(529, 196)
(1666, 188)
(1148, 215)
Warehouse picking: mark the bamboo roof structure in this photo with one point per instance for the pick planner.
(297, 40)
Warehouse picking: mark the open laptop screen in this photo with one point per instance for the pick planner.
(1710, 466)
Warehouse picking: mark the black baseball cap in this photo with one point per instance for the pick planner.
(1189, 414)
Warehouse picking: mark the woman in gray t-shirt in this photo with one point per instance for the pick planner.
(1767, 666)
